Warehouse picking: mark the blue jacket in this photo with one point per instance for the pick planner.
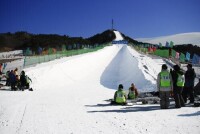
(12, 77)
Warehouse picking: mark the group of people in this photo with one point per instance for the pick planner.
(17, 81)
(176, 83)
(121, 97)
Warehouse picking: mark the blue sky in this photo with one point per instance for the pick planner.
(135, 18)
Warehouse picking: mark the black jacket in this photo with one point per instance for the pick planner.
(23, 80)
(189, 78)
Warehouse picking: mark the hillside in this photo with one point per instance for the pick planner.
(178, 39)
(22, 40)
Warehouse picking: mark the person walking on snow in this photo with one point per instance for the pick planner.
(188, 89)
(120, 96)
(12, 79)
(178, 84)
(133, 92)
(164, 86)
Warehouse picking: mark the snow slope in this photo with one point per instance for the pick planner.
(184, 38)
(71, 96)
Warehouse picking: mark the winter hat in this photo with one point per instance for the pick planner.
(120, 86)
(176, 67)
(189, 65)
(164, 67)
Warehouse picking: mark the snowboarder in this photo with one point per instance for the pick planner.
(178, 84)
(120, 96)
(133, 92)
(164, 86)
(188, 89)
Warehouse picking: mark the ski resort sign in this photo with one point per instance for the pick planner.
(120, 42)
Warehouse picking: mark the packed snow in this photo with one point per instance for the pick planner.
(70, 97)
(184, 38)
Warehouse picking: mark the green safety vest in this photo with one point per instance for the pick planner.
(131, 94)
(120, 98)
(180, 81)
(165, 79)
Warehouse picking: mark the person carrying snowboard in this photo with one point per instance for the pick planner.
(164, 86)
(120, 96)
(133, 92)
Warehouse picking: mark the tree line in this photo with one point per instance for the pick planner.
(23, 40)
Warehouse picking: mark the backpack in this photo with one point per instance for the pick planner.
(28, 80)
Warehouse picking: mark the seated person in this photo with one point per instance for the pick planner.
(120, 96)
(24, 81)
(133, 93)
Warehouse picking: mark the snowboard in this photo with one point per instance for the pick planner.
(129, 103)
(148, 98)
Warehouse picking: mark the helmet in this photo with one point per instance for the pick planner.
(176, 67)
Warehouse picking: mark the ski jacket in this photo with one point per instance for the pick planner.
(23, 80)
(12, 77)
(164, 81)
(120, 96)
(189, 78)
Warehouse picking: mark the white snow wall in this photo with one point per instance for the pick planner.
(123, 69)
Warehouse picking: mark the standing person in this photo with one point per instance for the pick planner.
(12, 79)
(188, 89)
(120, 96)
(164, 86)
(178, 84)
(133, 92)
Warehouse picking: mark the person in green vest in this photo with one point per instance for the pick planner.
(120, 96)
(178, 84)
(164, 86)
(133, 92)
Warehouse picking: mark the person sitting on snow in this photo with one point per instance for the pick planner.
(133, 92)
(24, 81)
(120, 96)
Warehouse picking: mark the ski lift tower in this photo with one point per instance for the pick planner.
(112, 24)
